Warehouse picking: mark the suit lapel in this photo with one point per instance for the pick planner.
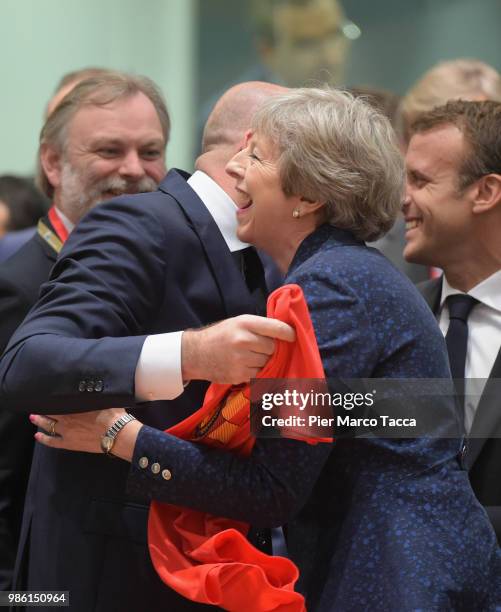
(232, 288)
(431, 291)
(488, 415)
(46, 247)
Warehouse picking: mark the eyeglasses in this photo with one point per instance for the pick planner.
(350, 30)
(346, 31)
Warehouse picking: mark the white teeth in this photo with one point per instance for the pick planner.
(412, 224)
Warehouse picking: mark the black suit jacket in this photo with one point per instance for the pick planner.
(12, 241)
(20, 280)
(134, 266)
(484, 454)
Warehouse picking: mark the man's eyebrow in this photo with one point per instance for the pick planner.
(101, 140)
(417, 174)
(154, 142)
(114, 140)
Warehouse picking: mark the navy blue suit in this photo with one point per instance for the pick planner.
(20, 279)
(392, 524)
(13, 241)
(135, 266)
(484, 454)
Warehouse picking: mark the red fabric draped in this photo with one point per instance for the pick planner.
(207, 558)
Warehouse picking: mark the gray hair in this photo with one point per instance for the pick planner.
(338, 150)
(75, 76)
(96, 91)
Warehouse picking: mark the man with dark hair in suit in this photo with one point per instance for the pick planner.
(89, 152)
(152, 264)
(453, 221)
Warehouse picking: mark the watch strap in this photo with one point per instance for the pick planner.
(113, 431)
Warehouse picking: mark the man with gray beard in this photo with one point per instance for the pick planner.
(107, 137)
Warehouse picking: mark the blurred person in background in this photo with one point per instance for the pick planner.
(21, 205)
(16, 237)
(299, 43)
(13, 241)
(69, 80)
(383, 100)
(107, 136)
(302, 42)
(459, 79)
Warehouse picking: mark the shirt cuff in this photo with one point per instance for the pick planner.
(158, 372)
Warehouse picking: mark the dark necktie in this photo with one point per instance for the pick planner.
(456, 339)
(251, 269)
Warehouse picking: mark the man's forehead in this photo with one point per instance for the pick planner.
(441, 146)
(121, 116)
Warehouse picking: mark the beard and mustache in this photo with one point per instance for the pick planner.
(80, 191)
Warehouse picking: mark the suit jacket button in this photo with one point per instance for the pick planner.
(98, 386)
(90, 386)
(143, 462)
(82, 385)
(155, 468)
(166, 474)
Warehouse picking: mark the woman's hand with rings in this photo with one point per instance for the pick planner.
(79, 432)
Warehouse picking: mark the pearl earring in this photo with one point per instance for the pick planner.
(296, 214)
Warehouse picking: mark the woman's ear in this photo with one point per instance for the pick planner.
(308, 206)
(487, 193)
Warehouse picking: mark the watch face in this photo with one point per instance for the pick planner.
(106, 444)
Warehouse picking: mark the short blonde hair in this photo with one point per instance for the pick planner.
(336, 149)
(460, 79)
(96, 91)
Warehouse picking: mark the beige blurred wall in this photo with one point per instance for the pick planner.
(42, 39)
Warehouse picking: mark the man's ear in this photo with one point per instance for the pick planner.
(51, 161)
(487, 195)
(245, 141)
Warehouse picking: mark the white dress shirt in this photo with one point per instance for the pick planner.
(158, 371)
(484, 336)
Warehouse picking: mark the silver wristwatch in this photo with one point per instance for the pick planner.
(108, 440)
